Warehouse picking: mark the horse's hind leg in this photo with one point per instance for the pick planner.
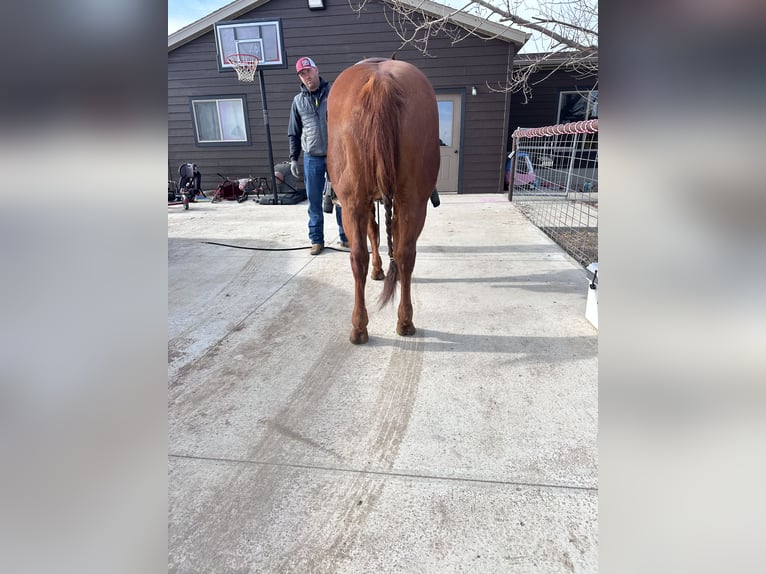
(373, 232)
(405, 260)
(360, 259)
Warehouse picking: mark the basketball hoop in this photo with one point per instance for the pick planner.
(245, 66)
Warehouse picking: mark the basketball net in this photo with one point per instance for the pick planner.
(245, 66)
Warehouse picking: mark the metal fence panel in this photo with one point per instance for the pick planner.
(553, 178)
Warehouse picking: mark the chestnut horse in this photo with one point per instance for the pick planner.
(383, 132)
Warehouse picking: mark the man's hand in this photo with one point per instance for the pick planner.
(294, 168)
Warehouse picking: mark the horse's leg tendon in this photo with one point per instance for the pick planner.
(373, 232)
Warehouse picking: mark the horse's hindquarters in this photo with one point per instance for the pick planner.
(383, 130)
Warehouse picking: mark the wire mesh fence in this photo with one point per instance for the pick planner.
(552, 176)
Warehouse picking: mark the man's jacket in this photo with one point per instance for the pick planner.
(307, 129)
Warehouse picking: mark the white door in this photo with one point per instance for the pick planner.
(450, 113)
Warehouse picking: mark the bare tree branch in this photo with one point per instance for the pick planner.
(569, 28)
(507, 16)
(567, 24)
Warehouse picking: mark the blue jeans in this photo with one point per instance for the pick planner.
(314, 168)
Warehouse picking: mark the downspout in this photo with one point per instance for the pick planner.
(506, 116)
(512, 167)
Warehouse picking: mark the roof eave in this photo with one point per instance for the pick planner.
(545, 61)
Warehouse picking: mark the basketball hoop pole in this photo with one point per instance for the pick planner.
(268, 134)
(245, 65)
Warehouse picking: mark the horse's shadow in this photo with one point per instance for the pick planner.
(521, 349)
(549, 282)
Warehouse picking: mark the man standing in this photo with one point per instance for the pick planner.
(307, 131)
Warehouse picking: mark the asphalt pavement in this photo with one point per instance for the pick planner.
(468, 447)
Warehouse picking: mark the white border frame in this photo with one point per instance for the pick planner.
(262, 63)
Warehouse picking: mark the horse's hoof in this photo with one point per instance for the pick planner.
(405, 329)
(377, 274)
(358, 336)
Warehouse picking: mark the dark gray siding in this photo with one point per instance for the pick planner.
(336, 38)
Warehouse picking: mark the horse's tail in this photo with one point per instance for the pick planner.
(377, 111)
(380, 101)
(392, 276)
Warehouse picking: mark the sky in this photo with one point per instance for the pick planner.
(184, 12)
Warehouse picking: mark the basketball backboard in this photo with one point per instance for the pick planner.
(260, 38)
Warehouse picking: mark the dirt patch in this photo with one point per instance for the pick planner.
(579, 242)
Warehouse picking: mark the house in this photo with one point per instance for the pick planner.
(219, 123)
(560, 94)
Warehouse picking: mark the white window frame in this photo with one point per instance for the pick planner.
(223, 138)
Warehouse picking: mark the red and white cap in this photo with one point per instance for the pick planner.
(304, 63)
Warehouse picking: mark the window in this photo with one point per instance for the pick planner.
(220, 120)
(578, 106)
(445, 123)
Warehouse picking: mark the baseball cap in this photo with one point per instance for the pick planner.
(304, 63)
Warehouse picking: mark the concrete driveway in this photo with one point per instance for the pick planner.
(469, 447)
